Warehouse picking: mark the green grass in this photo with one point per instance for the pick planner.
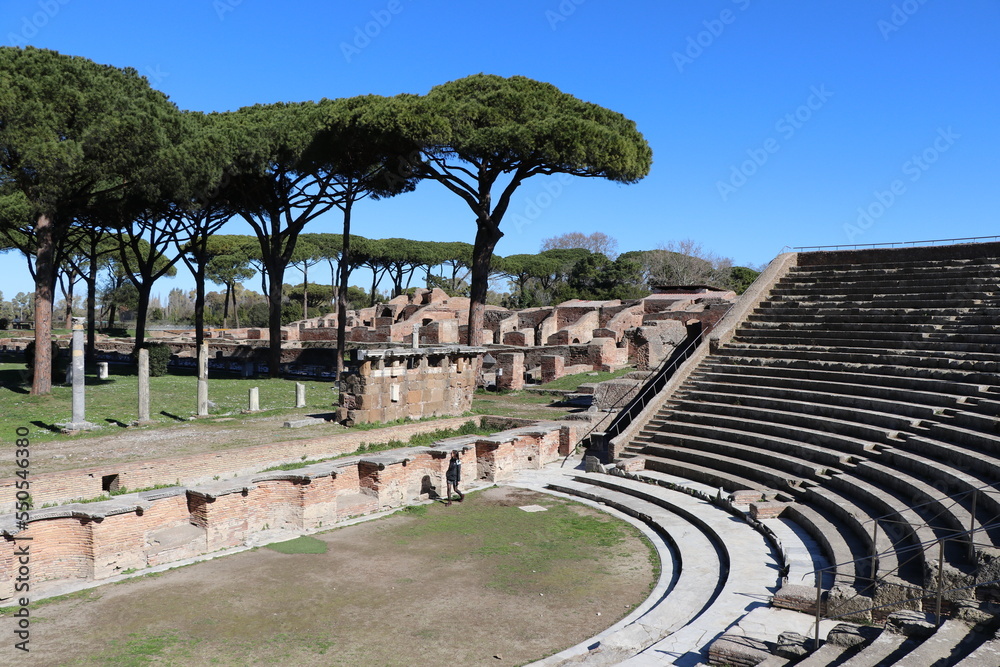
(418, 440)
(300, 545)
(571, 382)
(114, 402)
(526, 552)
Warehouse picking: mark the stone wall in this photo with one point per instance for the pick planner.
(196, 469)
(386, 385)
(79, 543)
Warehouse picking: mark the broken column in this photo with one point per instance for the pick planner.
(203, 380)
(300, 395)
(102, 370)
(143, 386)
(254, 399)
(77, 378)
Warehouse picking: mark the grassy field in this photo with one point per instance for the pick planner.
(173, 399)
(571, 382)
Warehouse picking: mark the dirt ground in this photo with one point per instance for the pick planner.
(430, 586)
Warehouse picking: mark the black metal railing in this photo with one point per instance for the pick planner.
(653, 385)
(896, 244)
(965, 538)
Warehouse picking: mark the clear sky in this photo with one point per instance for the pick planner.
(773, 124)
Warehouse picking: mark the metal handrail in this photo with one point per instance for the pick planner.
(821, 573)
(654, 384)
(667, 366)
(892, 244)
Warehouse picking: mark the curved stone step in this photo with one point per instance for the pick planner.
(975, 384)
(839, 407)
(954, 639)
(911, 345)
(700, 411)
(753, 573)
(884, 650)
(986, 654)
(907, 389)
(707, 475)
(968, 362)
(700, 573)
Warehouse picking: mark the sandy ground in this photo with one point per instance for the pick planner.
(383, 594)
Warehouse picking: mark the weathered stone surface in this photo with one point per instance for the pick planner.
(911, 623)
(845, 602)
(593, 464)
(849, 635)
(792, 645)
(738, 650)
(615, 393)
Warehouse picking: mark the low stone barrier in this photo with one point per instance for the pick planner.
(83, 542)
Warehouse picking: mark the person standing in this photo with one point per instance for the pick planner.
(454, 476)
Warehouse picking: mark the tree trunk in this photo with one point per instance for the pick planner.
(199, 301)
(236, 306)
(45, 277)
(487, 237)
(141, 313)
(68, 296)
(275, 279)
(92, 303)
(305, 291)
(375, 277)
(225, 305)
(345, 274)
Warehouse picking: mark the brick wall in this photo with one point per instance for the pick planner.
(190, 470)
(99, 540)
(410, 384)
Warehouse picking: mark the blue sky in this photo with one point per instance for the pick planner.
(773, 124)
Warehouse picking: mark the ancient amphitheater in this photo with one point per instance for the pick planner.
(848, 409)
(819, 474)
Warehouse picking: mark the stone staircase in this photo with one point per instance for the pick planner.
(860, 399)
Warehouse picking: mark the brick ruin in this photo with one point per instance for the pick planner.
(386, 385)
(586, 335)
(79, 543)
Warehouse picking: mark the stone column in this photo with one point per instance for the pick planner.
(203, 380)
(254, 399)
(102, 370)
(300, 395)
(76, 377)
(416, 336)
(143, 386)
(79, 387)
